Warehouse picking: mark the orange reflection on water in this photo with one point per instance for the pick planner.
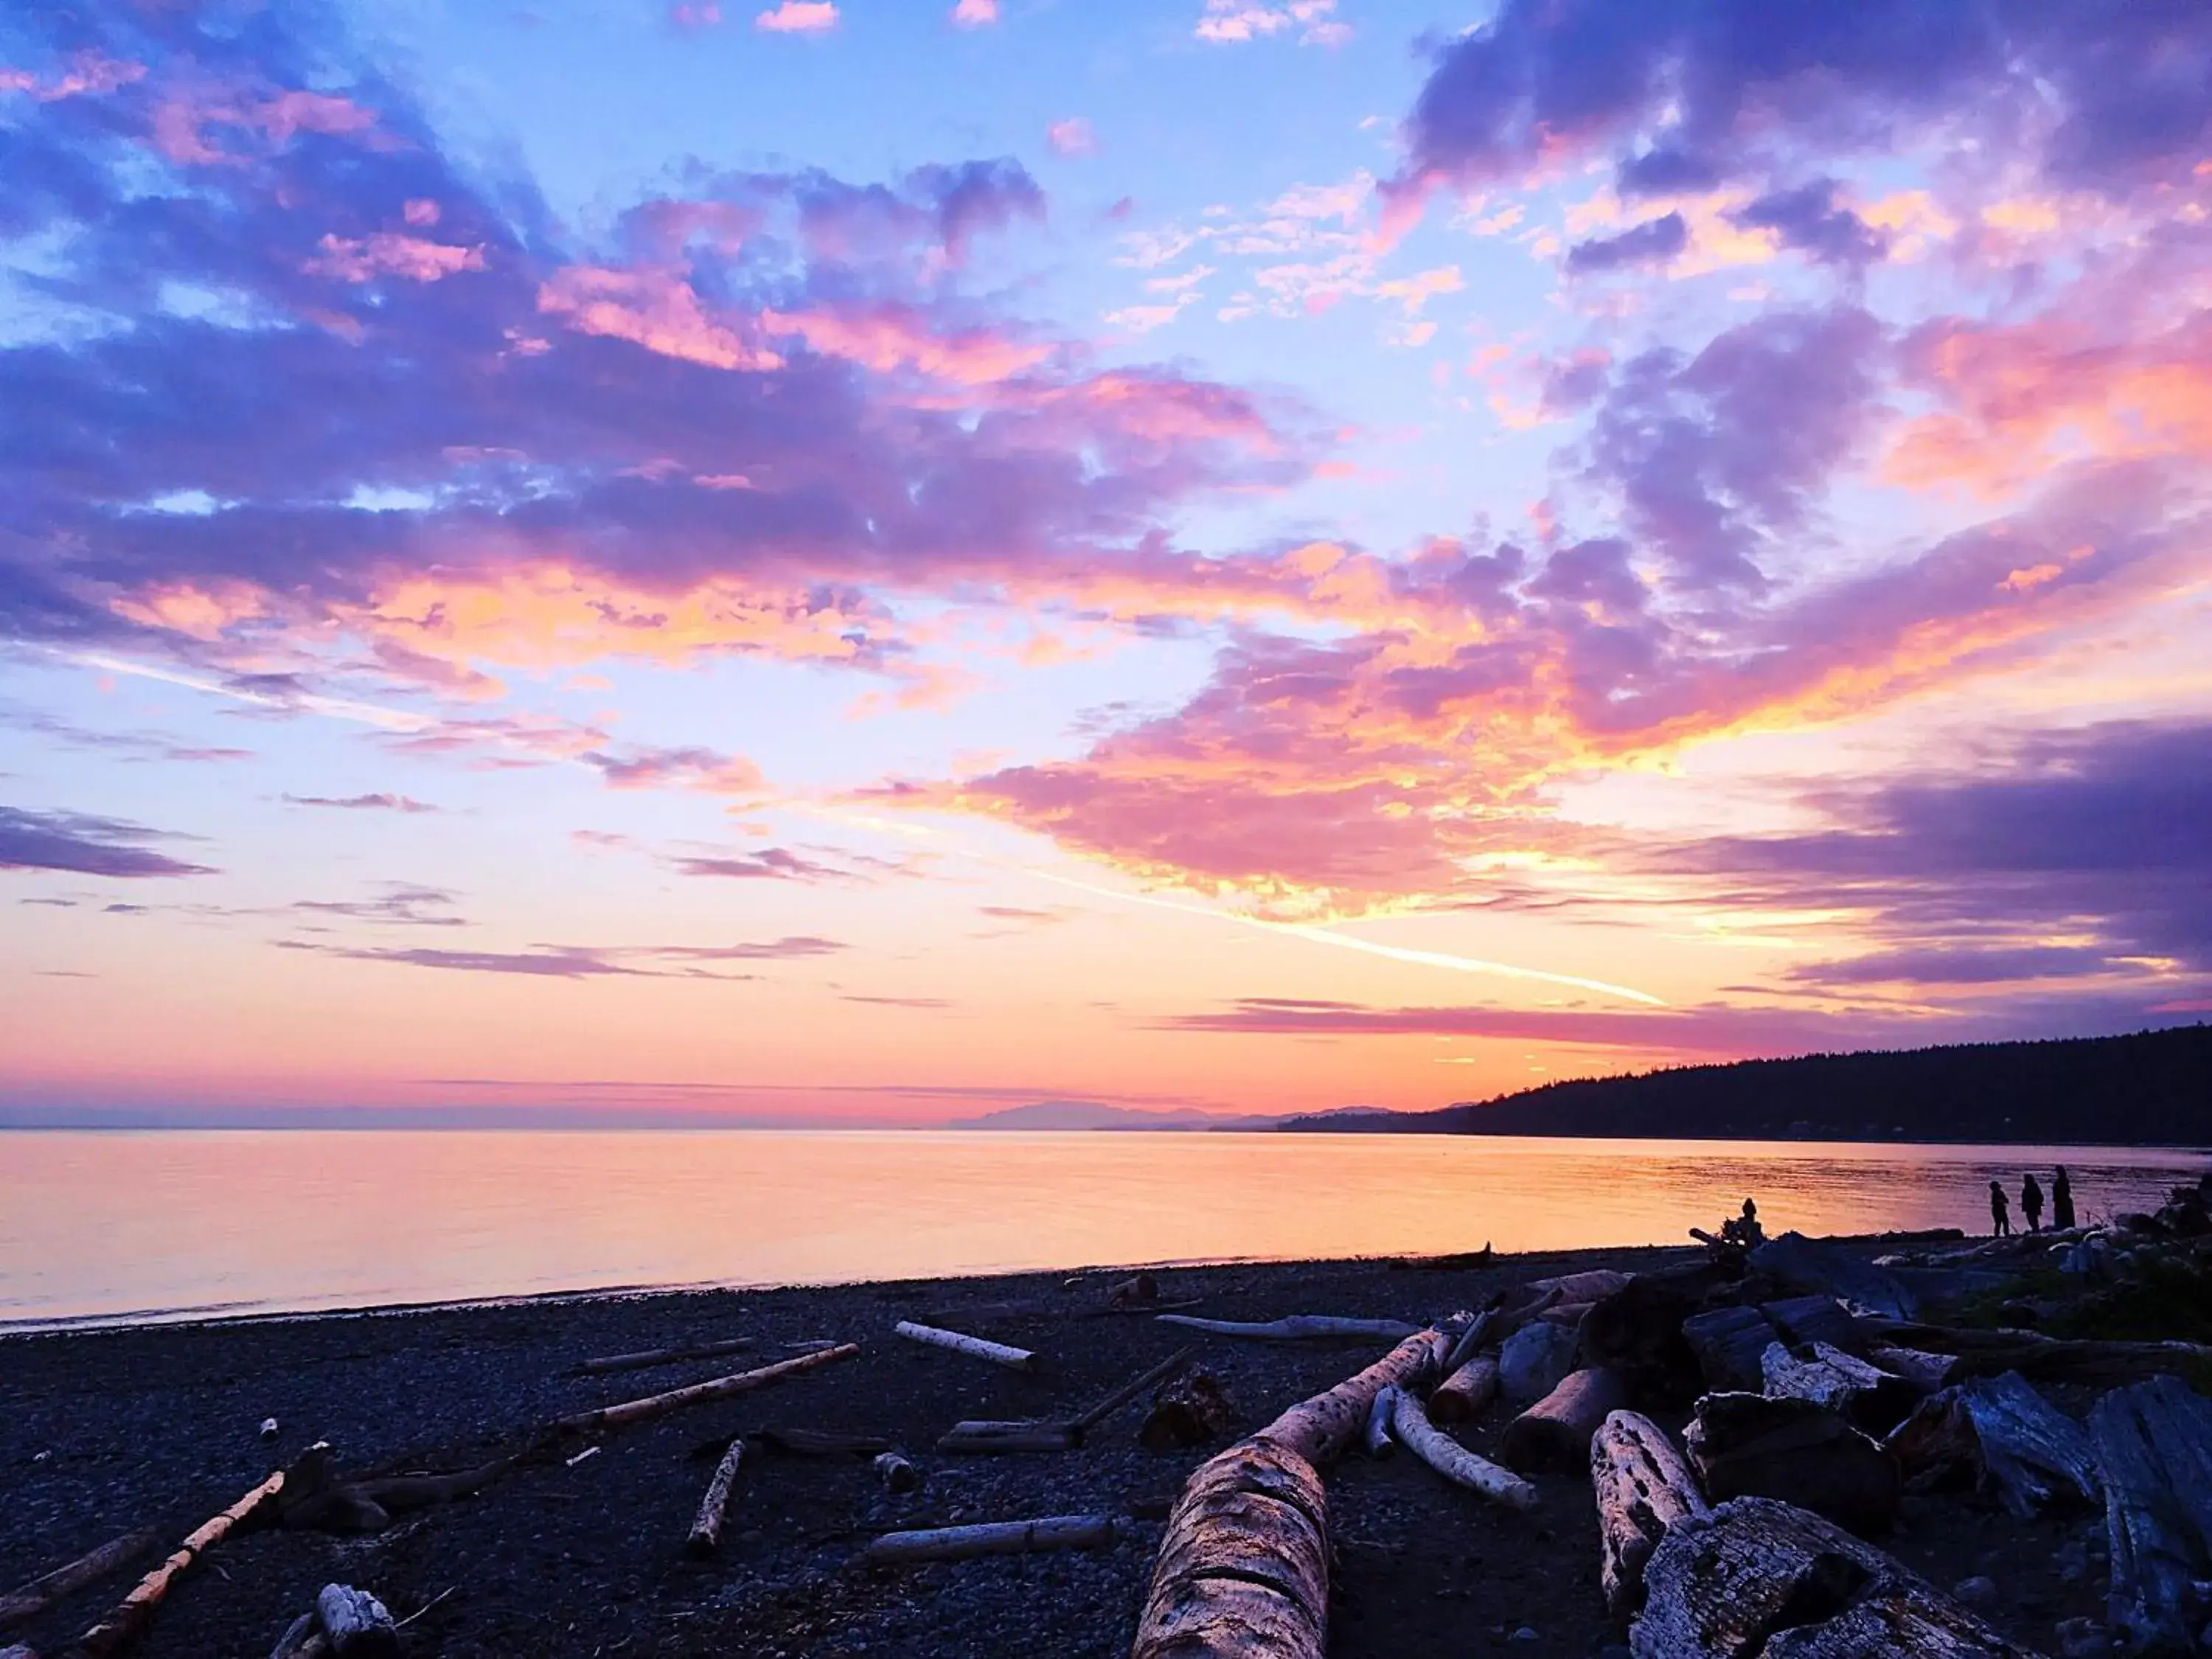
(108, 1225)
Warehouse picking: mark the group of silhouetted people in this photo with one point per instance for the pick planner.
(2031, 1203)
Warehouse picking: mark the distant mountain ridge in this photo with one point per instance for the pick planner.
(2146, 1089)
(1096, 1115)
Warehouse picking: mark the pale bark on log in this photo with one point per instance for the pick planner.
(1533, 1361)
(1243, 1572)
(707, 1526)
(1376, 1439)
(1803, 1319)
(652, 1357)
(1926, 1371)
(1467, 1393)
(2153, 1446)
(129, 1617)
(354, 1621)
(1868, 1397)
(1054, 1532)
(975, 1348)
(2043, 1358)
(1555, 1432)
(720, 1388)
(35, 1597)
(1586, 1286)
(1644, 1487)
(1761, 1579)
(1297, 1327)
(896, 1472)
(2010, 1441)
(1453, 1460)
(1727, 1343)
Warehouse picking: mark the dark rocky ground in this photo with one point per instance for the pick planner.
(102, 1431)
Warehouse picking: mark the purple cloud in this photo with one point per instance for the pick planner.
(85, 845)
(1807, 219)
(769, 864)
(1654, 242)
(376, 802)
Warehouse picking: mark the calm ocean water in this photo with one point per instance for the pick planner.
(165, 1225)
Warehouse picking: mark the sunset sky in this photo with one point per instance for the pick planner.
(864, 562)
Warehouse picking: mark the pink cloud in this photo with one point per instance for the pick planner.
(976, 13)
(702, 14)
(656, 309)
(888, 338)
(180, 122)
(89, 74)
(390, 254)
(799, 17)
(420, 212)
(1072, 138)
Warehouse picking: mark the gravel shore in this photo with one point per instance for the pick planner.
(104, 1430)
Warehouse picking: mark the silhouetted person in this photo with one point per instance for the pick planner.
(2000, 1210)
(2061, 1200)
(1754, 1234)
(2030, 1203)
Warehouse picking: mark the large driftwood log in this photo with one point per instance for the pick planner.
(652, 1357)
(1586, 1286)
(1747, 1445)
(1830, 1269)
(1728, 1344)
(2042, 1358)
(1637, 1330)
(1467, 1393)
(1533, 1360)
(1054, 1532)
(128, 1620)
(1802, 1319)
(2007, 1438)
(975, 1348)
(1867, 1397)
(2154, 1447)
(1926, 1371)
(1243, 1566)
(707, 1526)
(1644, 1487)
(1453, 1460)
(1297, 1327)
(35, 1597)
(354, 1621)
(1555, 1432)
(1760, 1579)
(720, 1388)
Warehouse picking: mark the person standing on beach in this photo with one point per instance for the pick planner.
(2030, 1203)
(2000, 1211)
(2062, 1201)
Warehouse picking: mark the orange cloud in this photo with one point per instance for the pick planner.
(388, 253)
(656, 309)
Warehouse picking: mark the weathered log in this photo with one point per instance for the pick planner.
(1453, 1460)
(1243, 1566)
(1867, 1397)
(129, 1617)
(652, 1357)
(720, 1388)
(1555, 1432)
(1926, 1371)
(982, 1435)
(1830, 1269)
(707, 1526)
(1762, 1579)
(1747, 1445)
(1376, 1439)
(2043, 1358)
(1467, 1393)
(1644, 1487)
(354, 1621)
(1297, 1327)
(896, 1472)
(975, 1348)
(1054, 1532)
(1727, 1343)
(35, 1597)
(1637, 1330)
(1802, 1319)
(1533, 1360)
(2007, 1438)
(2154, 1448)
(1192, 1411)
(1173, 1366)
(1586, 1286)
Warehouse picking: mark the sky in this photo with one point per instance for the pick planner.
(862, 563)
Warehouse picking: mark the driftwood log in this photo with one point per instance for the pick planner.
(127, 1620)
(2006, 1439)
(1054, 1532)
(1644, 1487)
(1728, 1344)
(1375, 1439)
(1555, 1432)
(1747, 1445)
(1297, 1327)
(897, 1473)
(1453, 1460)
(1926, 1371)
(1191, 1410)
(1533, 1361)
(975, 1348)
(707, 1526)
(354, 1622)
(1802, 1319)
(1864, 1394)
(1637, 1331)
(719, 1388)
(1760, 1579)
(1467, 1393)
(302, 1639)
(1495, 1325)
(652, 1357)
(987, 1435)
(2154, 1447)
(1243, 1566)
(1821, 1267)
(1173, 1366)
(35, 1597)
(2042, 1358)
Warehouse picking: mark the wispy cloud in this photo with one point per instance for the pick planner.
(85, 844)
